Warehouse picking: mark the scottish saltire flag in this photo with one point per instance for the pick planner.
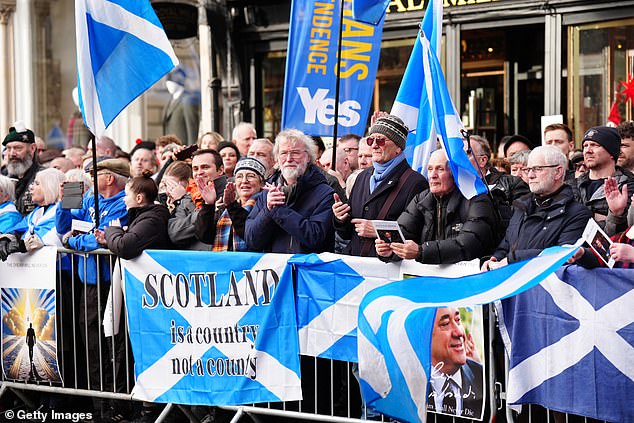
(571, 343)
(122, 50)
(370, 11)
(395, 327)
(311, 69)
(424, 104)
(330, 288)
(194, 319)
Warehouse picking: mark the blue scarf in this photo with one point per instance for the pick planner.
(382, 170)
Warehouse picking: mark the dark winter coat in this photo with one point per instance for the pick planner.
(597, 203)
(451, 228)
(302, 225)
(558, 222)
(147, 230)
(364, 205)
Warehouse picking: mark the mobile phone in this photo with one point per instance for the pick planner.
(73, 195)
(186, 153)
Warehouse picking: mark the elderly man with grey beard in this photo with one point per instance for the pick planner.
(21, 164)
(293, 213)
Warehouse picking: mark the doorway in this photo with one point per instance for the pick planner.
(502, 81)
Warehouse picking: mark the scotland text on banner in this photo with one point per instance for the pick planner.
(205, 332)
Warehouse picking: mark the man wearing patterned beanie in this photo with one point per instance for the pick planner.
(601, 148)
(382, 191)
(22, 164)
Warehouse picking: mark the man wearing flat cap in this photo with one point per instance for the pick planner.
(382, 191)
(601, 148)
(112, 176)
(22, 164)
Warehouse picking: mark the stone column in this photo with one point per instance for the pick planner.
(7, 106)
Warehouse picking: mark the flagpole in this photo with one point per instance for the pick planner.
(95, 193)
(333, 164)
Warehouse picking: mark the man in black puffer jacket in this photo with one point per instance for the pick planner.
(548, 216)
(440, 225)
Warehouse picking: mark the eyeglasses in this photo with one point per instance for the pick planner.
(292, 153)
(537, 169)
(380, 141)
(347, 150)
(249, 177)
(580, 165)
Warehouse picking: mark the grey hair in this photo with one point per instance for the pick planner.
(78, 175)
(8, 187)
(552, 155)
(296, 135)
(239, 127)
(521, 157)
(483, 146)
(50, 179)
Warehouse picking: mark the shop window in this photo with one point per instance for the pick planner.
(601, 56)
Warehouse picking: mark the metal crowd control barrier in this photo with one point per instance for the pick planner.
(93, 365)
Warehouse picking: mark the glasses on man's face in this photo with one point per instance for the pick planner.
(579, 166)
(380, 141)
(292, 153)
(249, 177)
(347, 150)
(537, 169)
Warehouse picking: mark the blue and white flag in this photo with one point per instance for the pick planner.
(370, 11)
(311, 69)
(395, 328)
(194, 319)
(571, 343)
(330, 288)
(424, 104)
(122, 50)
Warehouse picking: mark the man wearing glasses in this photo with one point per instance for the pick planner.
(293, 213)
(548, 216)
(380, 192)
(112, 176)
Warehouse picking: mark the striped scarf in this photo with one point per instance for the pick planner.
(224, 228)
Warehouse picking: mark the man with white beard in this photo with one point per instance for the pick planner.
(293, 214)
(21, 164)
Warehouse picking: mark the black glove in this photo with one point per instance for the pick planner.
(4, 249)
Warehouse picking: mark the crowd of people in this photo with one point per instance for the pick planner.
(290, 196)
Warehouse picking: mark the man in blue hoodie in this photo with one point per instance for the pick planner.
(112, 176)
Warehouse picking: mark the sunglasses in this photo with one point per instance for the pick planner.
(380, 142)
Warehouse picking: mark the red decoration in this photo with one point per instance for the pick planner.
(138, 141)
(628, 89)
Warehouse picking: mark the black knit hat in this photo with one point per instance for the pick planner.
(228, 144)
(517, 138)
(18, 132)
(392, 127)
(606, 137)
(140, 144)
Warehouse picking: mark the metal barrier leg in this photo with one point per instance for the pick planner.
(24, 398)
(164, 413)
(188, 413)
(237, 416)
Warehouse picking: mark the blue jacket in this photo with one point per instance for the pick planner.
(109, 209)
(302, 225)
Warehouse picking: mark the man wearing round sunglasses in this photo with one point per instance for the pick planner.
(380, 192)
(548, 216)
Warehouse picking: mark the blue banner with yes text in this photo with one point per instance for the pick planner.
(311, 69)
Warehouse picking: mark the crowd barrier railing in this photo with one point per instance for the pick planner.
(101, 367)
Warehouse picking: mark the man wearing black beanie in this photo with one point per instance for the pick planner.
(601, 147)
(22, 164)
